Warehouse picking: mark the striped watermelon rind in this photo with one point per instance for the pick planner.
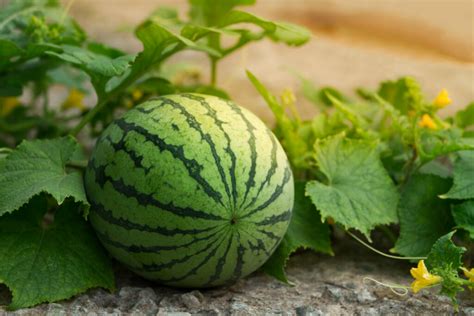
(189, 190)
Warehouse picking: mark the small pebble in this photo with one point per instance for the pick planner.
(364, 296)
(164, 312)
(335, 292)
(145, 306)
(55, 309)
(192, 300)
(308, 311)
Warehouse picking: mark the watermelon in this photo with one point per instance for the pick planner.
(189, 190)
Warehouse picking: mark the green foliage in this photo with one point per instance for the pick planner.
(384, 158)
(49, 253)
(463, 187)
(306, 231)
(41, 166)
(404, 94)
(358, 192)
(444, 260)
(463, 215)
(465, 118)
(423, 216)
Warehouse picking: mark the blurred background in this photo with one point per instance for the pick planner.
(356, 43)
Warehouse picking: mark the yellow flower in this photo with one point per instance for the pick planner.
(75, 99)
(427, 121)
(7, 105)
(137, 94)
(422, 277)
(288, 97)
(442, 99)
(469, 273)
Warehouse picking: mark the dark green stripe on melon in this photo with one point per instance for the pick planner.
(189, 190)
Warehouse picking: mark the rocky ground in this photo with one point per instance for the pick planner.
(323, 285)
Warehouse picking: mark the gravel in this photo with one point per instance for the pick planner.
(322, 285)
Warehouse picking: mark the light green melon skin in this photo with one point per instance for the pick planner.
(128, 183)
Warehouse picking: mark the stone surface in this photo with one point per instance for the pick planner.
(323, 285)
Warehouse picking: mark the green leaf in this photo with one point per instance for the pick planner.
(358, 193)
(444, 260)
(306, 231)
(98, 66)
(8, 50)
(463, 187)
(159, 43)
(438, 168)
(287, 33)
(404, 94)
(50, 258)
(290, 34)
(236, 17)
(40, 166)
(463, 215)
(318, 96)
(325, 124)
(435, 143)
(465, 118)
(423, 216)
(210, 12)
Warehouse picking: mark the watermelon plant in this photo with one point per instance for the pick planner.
(188, 188)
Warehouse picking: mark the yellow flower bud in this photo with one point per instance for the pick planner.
(137, 94)
(427, 121)
(442, 99)
(288, 97)
(75, 99)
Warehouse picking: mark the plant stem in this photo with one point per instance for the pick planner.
(214, 42)
(88, 117)
(79, 164)
(213, 71)
(382, 253)
(45, 102)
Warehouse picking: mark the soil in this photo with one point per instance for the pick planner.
(322, 285)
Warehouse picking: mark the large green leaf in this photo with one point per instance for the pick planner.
(94, 63)
(40, 166)
(404, 94)
(306, 231)
(210, 12)
(358, 193)
(463, 187)
(444, 260)
(463, 215)
(423, 216)
(52, 257)
(465, 117)
(435, 143)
